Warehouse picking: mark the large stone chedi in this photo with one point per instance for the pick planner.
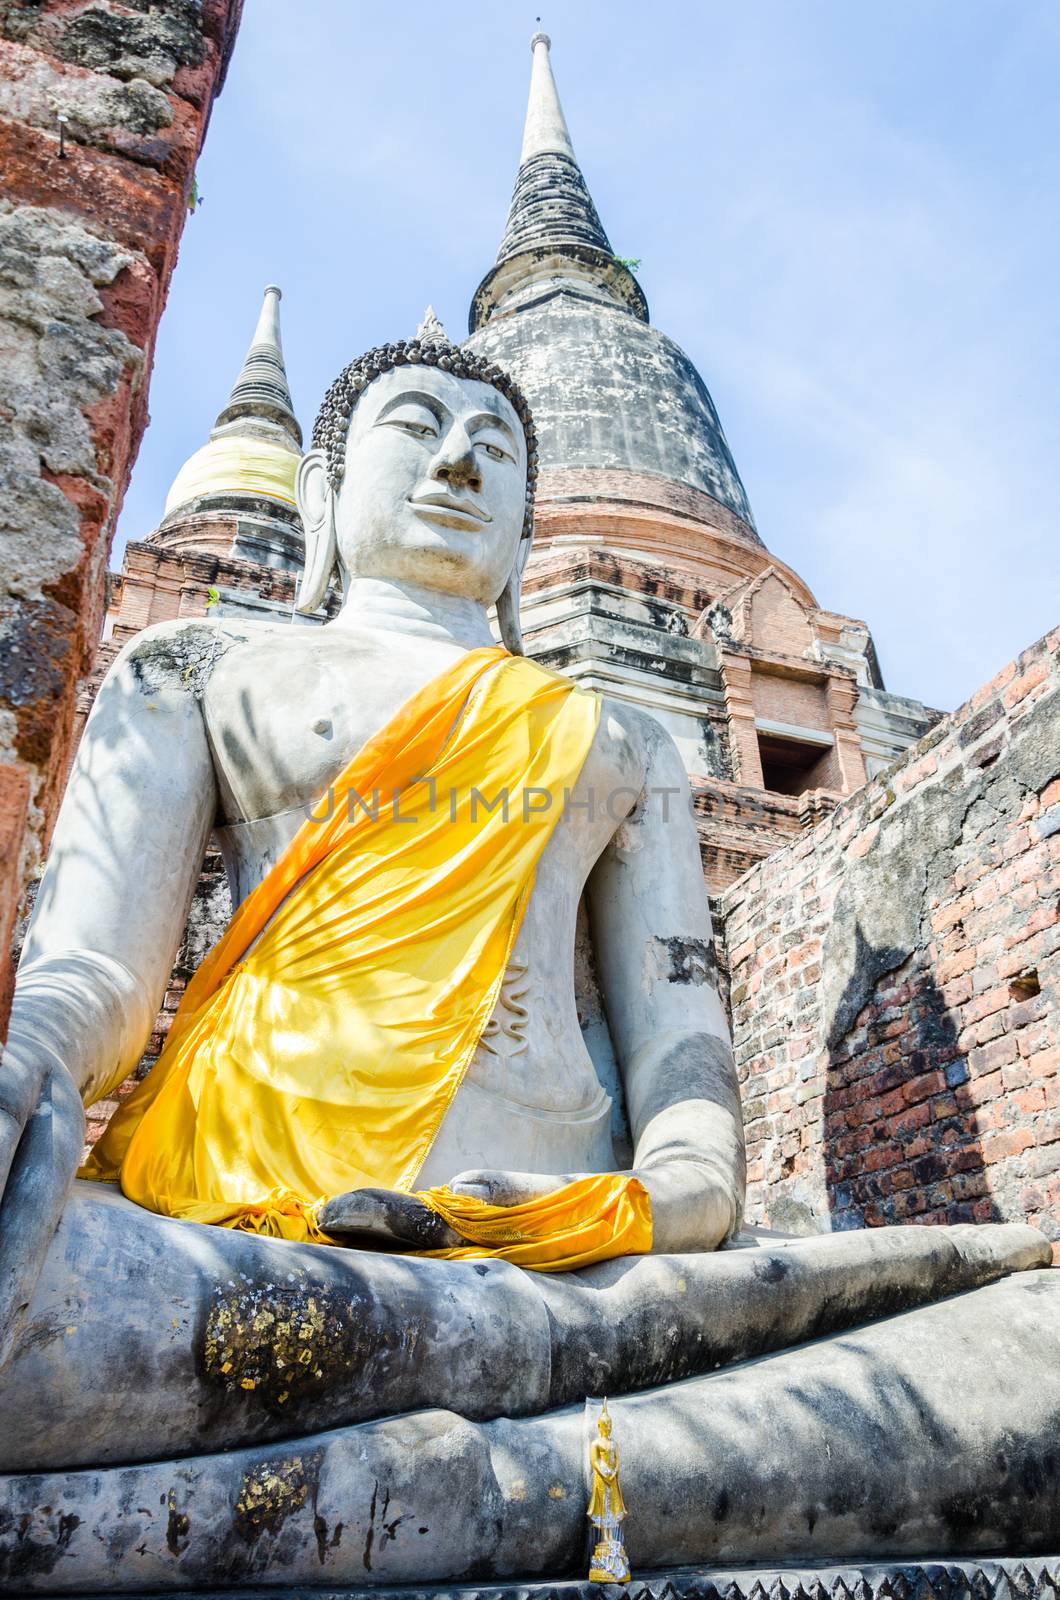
(558, 294)
(649, 577)
(200, 1406)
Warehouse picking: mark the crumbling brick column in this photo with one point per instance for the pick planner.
(740, 709)
(91, 214)
(842, 693)
(14, 799)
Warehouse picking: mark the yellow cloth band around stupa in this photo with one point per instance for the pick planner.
(238, 465)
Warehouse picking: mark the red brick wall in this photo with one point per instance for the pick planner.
(895, 982)
(583, 485)
(781, 699)
(88, 239)
(739, 827)
(568, 566)
(672, 524)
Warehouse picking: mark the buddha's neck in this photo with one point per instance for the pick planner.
(390, 606)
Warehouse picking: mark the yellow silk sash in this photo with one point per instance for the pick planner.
(589, 1220)
(321, 1042)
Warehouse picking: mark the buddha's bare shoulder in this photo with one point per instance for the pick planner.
(170, 655)
(185, 653)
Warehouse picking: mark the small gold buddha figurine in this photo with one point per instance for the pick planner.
(607, 1510)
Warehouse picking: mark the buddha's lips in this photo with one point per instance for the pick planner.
(444, 502)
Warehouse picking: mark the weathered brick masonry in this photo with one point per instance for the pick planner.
(895, 982)
(88, 238)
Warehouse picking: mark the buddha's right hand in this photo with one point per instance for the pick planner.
(387, 1220)
(42, 1130)
(79, 1022)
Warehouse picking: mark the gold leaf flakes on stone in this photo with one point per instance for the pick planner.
(269, 1494)
(283, 1342)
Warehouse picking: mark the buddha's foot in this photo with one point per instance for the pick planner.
(932, 1433)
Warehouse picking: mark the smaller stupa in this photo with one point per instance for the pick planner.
(236, 495)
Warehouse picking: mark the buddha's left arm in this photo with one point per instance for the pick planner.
(653, 942)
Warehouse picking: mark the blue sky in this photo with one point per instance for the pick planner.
(846, 212)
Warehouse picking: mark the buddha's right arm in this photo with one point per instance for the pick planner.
(111, 906)
(120, 873)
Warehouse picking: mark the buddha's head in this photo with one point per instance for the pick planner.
(422, 470)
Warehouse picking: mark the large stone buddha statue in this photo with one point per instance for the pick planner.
(295, 1333)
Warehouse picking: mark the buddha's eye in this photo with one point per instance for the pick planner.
(414, 419)
(496, 452)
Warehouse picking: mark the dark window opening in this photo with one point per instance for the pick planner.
(791, 767)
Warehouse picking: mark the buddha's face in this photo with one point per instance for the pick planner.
(434, 489)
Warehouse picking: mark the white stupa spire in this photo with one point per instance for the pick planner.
(546, 126)
(261, 388)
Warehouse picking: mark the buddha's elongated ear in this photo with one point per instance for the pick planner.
(508, 602)
(316, 503)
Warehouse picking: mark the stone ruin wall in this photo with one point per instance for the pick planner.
(895, 982)
(88, 240)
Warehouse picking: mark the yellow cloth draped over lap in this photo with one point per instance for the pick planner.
(321, 1042)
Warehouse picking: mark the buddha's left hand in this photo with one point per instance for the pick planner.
(511, 1188)
(692, 1202)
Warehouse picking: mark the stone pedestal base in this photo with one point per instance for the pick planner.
(932, 1428)
(1006, 1578)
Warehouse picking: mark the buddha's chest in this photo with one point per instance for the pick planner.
(284, 718)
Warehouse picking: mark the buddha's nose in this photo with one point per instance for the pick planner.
(455, 463)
